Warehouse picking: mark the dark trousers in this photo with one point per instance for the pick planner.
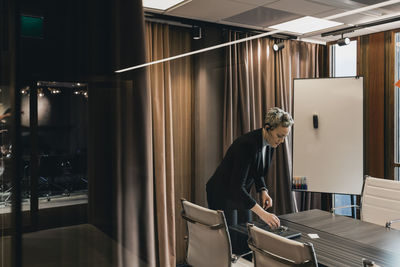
(238, 240)
(233, 217)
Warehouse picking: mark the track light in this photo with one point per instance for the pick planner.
(343, 41)
(196, 32)
(278, 46)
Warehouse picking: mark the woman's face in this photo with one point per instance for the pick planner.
(277, 136)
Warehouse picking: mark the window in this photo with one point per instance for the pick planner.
(344, 60)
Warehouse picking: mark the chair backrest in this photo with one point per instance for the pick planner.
(273, 250)
(209, 243)
(380, 201)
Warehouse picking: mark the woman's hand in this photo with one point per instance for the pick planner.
(269, 218)
(266, 200)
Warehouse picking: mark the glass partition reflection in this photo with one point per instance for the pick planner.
(61, 140)
(5, 176)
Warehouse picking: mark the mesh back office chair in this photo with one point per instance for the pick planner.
(380, 202)
(273, 250)
(208, 238)
(50, 167)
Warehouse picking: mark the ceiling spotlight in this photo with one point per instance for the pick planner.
(278, 46)
(343, 41)
(25, 90)
(196, 32)
(54, 91)
(40, 92)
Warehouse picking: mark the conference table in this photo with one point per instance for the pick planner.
(343, 241)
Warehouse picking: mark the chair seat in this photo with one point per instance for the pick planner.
(243, 263)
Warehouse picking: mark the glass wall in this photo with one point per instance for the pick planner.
(6, 177)
(397, 108)
(61, 143)
(344, 63)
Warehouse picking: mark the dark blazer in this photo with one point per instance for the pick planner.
(241, 167)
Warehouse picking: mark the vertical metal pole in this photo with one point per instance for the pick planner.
(33, 161)
(15, 96)
(353, 209)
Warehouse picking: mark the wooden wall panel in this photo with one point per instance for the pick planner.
(376, 101)
(371, 65)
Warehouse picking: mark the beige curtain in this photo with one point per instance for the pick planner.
(257, 78)
(120, 168)
(171, 89)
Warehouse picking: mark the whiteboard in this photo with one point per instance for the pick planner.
(331, 156)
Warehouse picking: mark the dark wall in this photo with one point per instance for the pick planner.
(68, 50)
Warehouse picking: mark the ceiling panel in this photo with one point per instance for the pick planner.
(329, 13)
(392, 8)
(262, 16)
(209, 10)
(302, 7)
(355, 19)
(254, 2)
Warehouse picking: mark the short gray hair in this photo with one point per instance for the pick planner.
(277, 117)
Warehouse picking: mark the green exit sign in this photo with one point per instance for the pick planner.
(31, 26)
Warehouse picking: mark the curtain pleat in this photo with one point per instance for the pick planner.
(160, 88)
(181, 73)
(256, 79)
(171, 105)
(120, 167)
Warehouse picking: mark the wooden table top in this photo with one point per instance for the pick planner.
(345, 241)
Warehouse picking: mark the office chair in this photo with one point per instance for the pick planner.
(273, 250)
(51, 167)
(208, 241)
(380, 202)
(79, 170)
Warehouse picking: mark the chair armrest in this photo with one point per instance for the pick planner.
(344, 207)
(389, 223)
(369, 263)
(235, 257)
(191, 220)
